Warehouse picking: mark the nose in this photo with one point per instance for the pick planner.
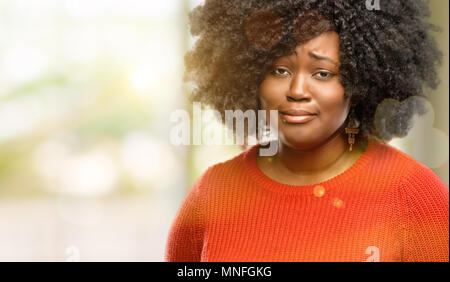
(299, 89)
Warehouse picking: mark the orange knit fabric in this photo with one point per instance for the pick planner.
(386, 207)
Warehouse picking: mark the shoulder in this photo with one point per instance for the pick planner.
(418, 184)
(422, 185)
(422, 200)
(389, 166)
(384, 152)
(414, 172)
(225, 171)
(393, 159)
(423, 206)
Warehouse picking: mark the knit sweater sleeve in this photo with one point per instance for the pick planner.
(425, 200)
(185, 240)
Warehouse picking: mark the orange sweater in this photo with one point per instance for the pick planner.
(386, 207)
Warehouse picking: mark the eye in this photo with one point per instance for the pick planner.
(323, 75)
(280, 71)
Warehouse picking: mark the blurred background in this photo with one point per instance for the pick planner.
(87, 170)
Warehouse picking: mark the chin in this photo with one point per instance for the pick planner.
(298, 143)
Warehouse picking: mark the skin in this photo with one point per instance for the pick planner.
(308, 79)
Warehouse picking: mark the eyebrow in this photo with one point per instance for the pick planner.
(317, 57)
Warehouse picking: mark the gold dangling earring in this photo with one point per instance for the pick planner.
(352, 127)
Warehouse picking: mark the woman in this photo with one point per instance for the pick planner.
(334, 191)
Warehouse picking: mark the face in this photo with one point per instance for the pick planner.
(307, 80)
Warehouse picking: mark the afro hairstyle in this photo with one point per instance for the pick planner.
(385, 53)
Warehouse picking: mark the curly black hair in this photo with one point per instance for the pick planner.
(385, 53)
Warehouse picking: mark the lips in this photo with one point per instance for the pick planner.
(297, 116)
(296, 112)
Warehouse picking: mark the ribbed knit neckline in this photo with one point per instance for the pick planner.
(341, 179)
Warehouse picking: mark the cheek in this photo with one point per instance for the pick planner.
(332, 106)
(271, 94)
(330, 98)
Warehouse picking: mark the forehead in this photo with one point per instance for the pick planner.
(326, 44)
